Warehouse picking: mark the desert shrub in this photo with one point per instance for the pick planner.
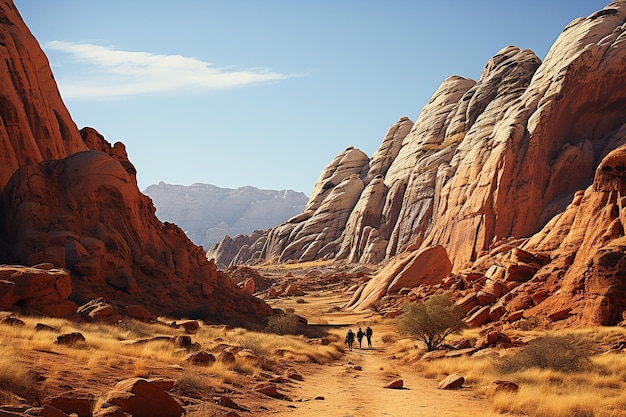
(191, 380)
(256, 343)
(283, 324)
(389, 338)
(558, 353)
(432, 320)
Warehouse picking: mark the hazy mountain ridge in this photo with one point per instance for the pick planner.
(207, 213)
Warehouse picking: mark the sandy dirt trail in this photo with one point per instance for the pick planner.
(347, 391)
(350, 392)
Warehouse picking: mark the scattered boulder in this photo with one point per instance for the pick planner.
(268, 389)
(141, 398)
(229, 403)
(97, 310)
(12, 321)
(183, 342)
(479, 318)
(291, 374)
(73, 402)
(190, 326)
(501, 386)
(71, 339)
(201, 358)
(36, 288)
(452, 381)
(397, 384)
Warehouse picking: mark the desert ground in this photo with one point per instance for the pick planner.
(261, 373)
(353, 385)
(335, 382)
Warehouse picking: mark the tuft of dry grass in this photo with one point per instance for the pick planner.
(14, 376)
(204, 409)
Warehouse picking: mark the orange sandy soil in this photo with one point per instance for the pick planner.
(350, 392)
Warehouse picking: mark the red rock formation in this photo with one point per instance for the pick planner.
(410, 269)
(585, 281)
(81, 209)
(485, 161)
(34, 123)
(486, 166)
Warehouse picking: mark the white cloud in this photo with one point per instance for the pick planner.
(115, 73)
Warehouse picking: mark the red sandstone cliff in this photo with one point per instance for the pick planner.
(487, 162)
(71, 199)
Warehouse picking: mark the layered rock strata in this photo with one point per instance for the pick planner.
(487, 162)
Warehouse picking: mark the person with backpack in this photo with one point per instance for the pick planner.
(359, 336)
(350, 338)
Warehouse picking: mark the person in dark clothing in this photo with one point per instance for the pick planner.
(350, 338)
(368, 334)
(359, 336)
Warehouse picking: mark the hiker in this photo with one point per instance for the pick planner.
(350, 338)
(368, 334)
(359, 336)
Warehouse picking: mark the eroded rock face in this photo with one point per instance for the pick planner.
(70, 199)
(85, 213)
(590, 283)
(35, 124)
(410, 269)
(489, 159)
(492, 171)
(36, 288)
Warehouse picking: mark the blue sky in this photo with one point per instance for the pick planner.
(267, 93)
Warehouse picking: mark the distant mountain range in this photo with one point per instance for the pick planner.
(207, 213)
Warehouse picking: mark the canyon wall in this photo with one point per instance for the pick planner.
(70, 200)
(487, 163)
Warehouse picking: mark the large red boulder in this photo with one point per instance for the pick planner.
(142, 398)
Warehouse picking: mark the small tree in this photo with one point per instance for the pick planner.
(431, 321)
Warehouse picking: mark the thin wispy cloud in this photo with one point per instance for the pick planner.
(115, 73)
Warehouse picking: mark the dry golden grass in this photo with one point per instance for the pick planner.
(111, 354)
(204, 409)
(14, 376)
(598, 389)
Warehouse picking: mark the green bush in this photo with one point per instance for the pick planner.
(431, 321)
(558, 353)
